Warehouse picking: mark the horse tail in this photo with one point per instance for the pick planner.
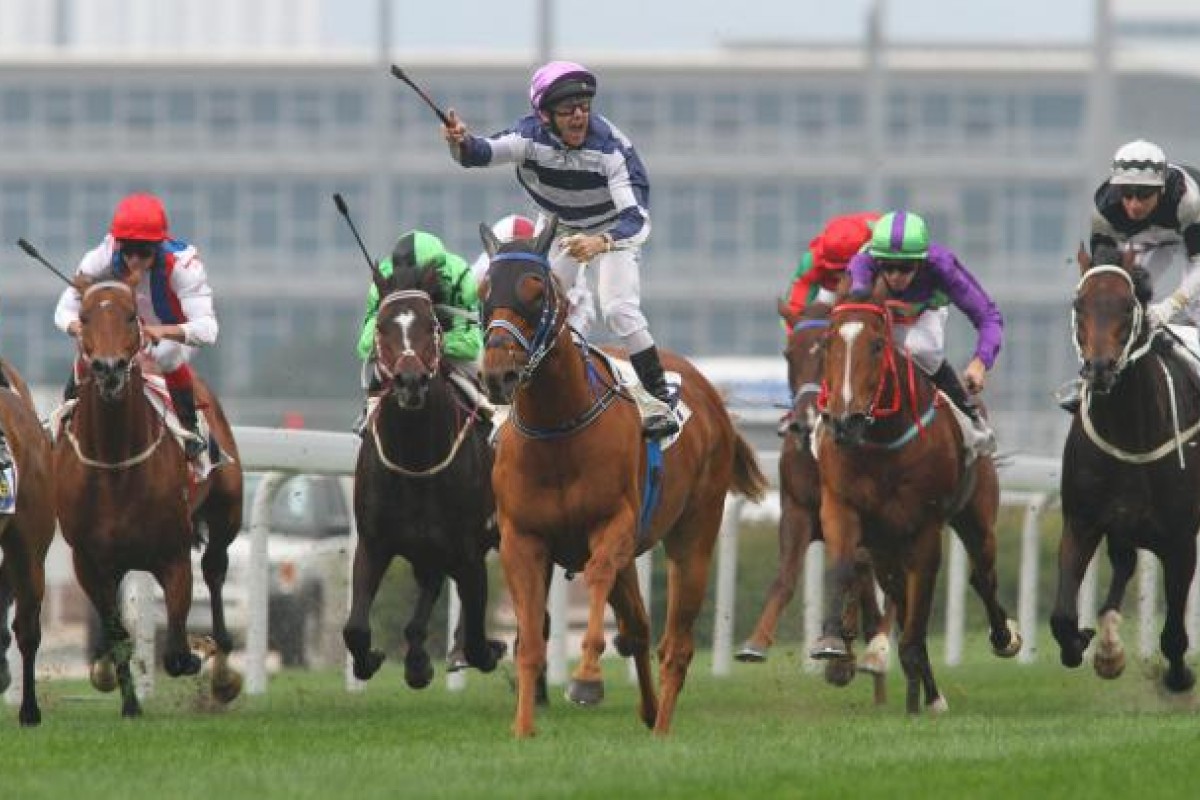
(748, 478)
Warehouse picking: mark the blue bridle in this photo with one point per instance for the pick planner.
(545, 334)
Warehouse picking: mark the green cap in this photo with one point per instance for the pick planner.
(899, 235)
(416, 249)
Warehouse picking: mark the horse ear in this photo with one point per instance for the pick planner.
(490, 243)
(1083, 259)
(546, 237)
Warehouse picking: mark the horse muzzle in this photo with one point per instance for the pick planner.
(850, 430)
(1100, 374)
(111, 376)
(410, 390)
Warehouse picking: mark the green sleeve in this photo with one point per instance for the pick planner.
(464, 338)
(805, 264)
(366, 336)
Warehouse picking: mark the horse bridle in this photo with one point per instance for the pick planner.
(132, 362)
(873, 411)
(387, 372)
(1128, 353)
(549, 321)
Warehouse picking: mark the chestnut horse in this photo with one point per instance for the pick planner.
(576, 485)
(422, 485)
(126, 499)
(800, 511)
(1130, 475)
(893, 474)
(25, 537)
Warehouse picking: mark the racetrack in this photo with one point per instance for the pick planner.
(772, 730)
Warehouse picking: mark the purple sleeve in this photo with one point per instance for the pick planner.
(862, 273)
(971, 299)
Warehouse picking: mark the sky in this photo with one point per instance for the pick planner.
(697, 25)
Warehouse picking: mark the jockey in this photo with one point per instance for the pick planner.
(927, 276)
(1152, 207)
(173, 298)
(505, 229)
(582, 169)
(462, 341)
(823, 264)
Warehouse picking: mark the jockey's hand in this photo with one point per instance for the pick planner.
(583, 247)
(975, 376)
(1159, 314)
(74, 328)
(456, 131)
(153, 334)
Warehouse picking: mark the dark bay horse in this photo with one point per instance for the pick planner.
(422, 487)
(893, 474)
(800, 509)
(126, 498)
(576, 485)
(25, 537)
(1130, 474)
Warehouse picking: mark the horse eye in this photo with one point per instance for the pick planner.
(877, 346)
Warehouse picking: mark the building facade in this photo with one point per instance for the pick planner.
(748, 152)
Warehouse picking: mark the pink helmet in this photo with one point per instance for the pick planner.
(559, 80)
(514, 226)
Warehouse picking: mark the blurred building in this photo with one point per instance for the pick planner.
(749, 149)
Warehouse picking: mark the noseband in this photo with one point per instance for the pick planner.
(388, 372)
(549, 322)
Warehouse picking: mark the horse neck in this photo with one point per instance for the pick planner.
(1137, 411)
(558, 391)
(115, 430)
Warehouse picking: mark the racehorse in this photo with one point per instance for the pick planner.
(576, 485)
(1129, 473)
(893, 473)
(127, 500)
(800, 510)
(422, 486)
(25, 536)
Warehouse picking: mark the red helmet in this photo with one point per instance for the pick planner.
(140, 217)
(514, 226)
(842, 238)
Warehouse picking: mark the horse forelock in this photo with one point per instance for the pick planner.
(96, 288)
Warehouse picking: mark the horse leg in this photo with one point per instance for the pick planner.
(612, 550)
(1075, 550)
(796, 526)
(975, 529)
(214, 564)
(6, 600)
(843, 533)
(471, 633)
(1173, 641)
(418, 669)
(110, 668)
(527, 566)
(26, 579)
(1109, 658)
(633, 638)
(369, 568)
(176, 581)
(919, 584)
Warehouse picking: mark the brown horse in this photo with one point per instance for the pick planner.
(422, 484)
(126, 499)
(25, 537)
(576, 485)
(800, 510)
(1130, 475)
(893, 474)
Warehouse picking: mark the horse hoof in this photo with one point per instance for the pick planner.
(1180, 680)
(1014, 642)
(840, 671)
(179, 664)
(751, 654)
(585, 693)
(103, 675)
(30, 718)
(829, 647)
(938, 706)
(1109, 664)
(418, 672)
(227, 686)
(368, 665)
(877, 657)
(131, 710)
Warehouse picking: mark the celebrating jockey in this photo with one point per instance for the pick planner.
(927, 276)
(173, 298)
(462, 341)
(582, 169)
(1152, 207)
(823, 264)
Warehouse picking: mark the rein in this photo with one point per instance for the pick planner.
(436, 468)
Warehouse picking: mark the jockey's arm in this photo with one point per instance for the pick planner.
(200, 327)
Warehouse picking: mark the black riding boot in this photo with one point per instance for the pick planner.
(71, 390)
(185, 409)
(947, 380)
(650, 372)
(371, 391)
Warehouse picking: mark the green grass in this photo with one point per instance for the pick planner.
(1013, 731)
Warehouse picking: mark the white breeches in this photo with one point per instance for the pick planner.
(925, 338)
(618, 290)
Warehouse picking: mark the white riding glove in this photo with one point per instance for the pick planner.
(1159, 314)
